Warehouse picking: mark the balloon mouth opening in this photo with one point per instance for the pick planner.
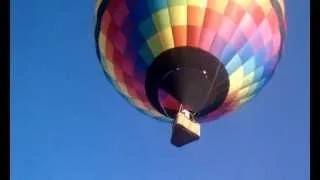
(186, 76)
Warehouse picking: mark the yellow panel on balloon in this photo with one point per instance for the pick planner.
(218, 6)
(236, 80)
(248, 79)
(139, 104)
(166, 38)
(109, 68)
(98, 2)
(102, 43)
(178, 15)
(123, 89)
(244, 100)
(199, 3)
(247, 91)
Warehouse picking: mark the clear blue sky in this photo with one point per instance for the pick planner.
(68, 123)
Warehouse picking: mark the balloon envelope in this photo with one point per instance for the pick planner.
(209, 55)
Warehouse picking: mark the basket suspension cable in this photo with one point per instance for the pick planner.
(211, 87)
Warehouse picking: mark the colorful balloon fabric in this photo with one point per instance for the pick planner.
(245, 35)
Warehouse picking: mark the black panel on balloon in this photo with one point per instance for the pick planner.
(192, 76)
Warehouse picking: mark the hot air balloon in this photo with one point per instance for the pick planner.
(189, 62)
